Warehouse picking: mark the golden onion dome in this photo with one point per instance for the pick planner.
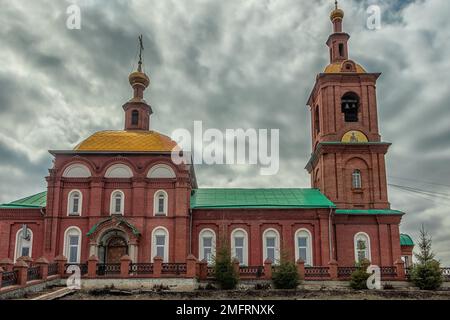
(337, 68)
(130, 140)
(336, 13)
(138, 77)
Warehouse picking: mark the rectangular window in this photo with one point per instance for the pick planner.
(161, 205)
(240, 254)
(73, 249)
(207, 253)
(160, 246)
(75, 205)
(118, 205)
(271, 254)
(207, 242)
(25, 252)
(270, 242)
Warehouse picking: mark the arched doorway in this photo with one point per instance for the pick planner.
(113, 246)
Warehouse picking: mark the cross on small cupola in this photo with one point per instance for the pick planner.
(137, 111)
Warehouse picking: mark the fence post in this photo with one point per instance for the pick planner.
(22, 272)
(125, 266)
(400, 269)
(92, 266)
(28, 260)
(7, 264)
(268, 269)
(301, 269)
(157, 266)
(61, 261)
(191, 263)
(333, 269)
(203, 270)
(42, 263)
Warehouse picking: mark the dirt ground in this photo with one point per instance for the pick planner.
(261, 295)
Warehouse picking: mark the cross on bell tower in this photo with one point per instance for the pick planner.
(137, 111)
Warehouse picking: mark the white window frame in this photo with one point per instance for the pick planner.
(70, 196)
(356, 179)
(156, 232)
(113, 203)
(244, 248)
(19, 244)
(70, 231)
(355, 245)
(309, 254)
(156, 203)
(277, 245)
(201, 248)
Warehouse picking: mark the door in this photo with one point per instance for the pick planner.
(116, 249)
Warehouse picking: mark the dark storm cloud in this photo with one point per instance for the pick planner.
(231, 64)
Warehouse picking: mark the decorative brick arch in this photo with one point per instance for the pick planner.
(111, 224)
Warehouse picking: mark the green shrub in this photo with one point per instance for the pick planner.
(426, 274)
(285, 276)
(358, 279)
(224, 272)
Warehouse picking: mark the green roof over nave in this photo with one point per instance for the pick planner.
(32, 202)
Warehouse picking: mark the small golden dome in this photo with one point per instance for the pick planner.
(137, 77)
(131, 140)
(337, 68)
(336, 13)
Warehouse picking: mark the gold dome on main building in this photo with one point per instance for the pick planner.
(337, 68)
(132, 141)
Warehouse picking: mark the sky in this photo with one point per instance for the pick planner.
(231, 64)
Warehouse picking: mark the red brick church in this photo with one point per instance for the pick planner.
(118, 192)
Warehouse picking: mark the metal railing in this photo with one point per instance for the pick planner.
(174, 268)
(317, 273)
(34, 273)
(141, 268)
(251, 271)
(345, 272)
(52, 269)
(83, 267)
(106, 269)
(9, 278)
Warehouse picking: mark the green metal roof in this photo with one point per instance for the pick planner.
(406, 240)
(369, 212)
(32, 202)
(258, 198)
(121, 220)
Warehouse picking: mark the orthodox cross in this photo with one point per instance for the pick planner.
(141, 48)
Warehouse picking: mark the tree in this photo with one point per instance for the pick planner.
(285, 275)
(358, 279)
(426, 274)
(224, 272)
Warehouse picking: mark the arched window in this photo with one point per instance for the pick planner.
(317, 120)
(207, 245)
(135, 117)
(350, 107)
(74, 204)
(24, 243)
(160, 203)
(117, 202)
(77, 170)
(271, 241)
(362, 247)
(161, 171)
(303, 246)
(356, 179)
(72, 244)
(160, 244)
(239, 246)
(120, 171)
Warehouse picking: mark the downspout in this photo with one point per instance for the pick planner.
(330, 233)
(190, 231)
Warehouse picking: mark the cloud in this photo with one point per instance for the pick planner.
(231, 64)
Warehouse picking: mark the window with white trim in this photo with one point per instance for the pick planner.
(239, 246)
(117, 202)
(24, 243)
(271, 241)
(303, 246)
(207, 245)
(160, 203)
(362, 247)
(356, 179)
(72, 244)
(74, 203)
(160, 244)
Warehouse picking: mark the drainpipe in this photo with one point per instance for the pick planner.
(190, 231)
(330, 233)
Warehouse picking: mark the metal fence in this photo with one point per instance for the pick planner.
(9, 278)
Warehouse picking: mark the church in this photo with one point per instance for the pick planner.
(118, 192)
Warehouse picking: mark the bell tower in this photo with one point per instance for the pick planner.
(137, 111)
(348, 157)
